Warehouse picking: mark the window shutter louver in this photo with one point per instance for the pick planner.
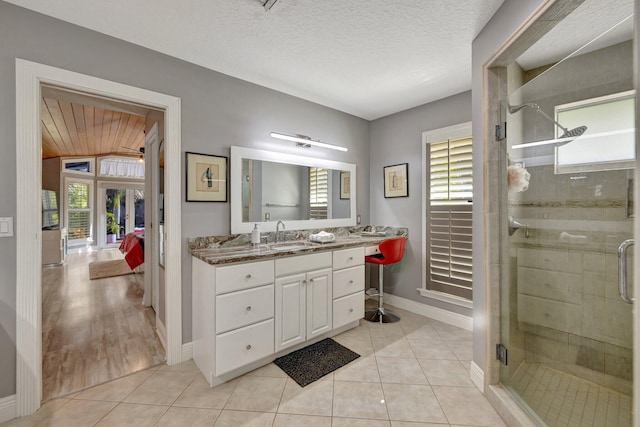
(78, 211)
(449, 218)
(318, 193)
(451, 171)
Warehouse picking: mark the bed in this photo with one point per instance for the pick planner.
(132, 246)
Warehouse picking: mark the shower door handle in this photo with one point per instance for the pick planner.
(622, 270)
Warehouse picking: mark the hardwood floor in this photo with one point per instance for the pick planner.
(93, 330)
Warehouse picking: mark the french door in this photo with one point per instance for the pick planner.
(121, 212)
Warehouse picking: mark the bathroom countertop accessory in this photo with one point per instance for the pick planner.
(322, 237)
(255, 235)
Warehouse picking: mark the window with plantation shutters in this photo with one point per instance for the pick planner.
(318, 193)
(449, 224)
(79, 212)
(451, 172)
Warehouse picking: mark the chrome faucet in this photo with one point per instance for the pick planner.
(278, 229)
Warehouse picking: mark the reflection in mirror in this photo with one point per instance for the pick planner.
(275, 191)
(304, 192)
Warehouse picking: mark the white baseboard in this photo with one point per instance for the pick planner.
(187, 351)
(161, 330)
(7, 408)
(477, 376)
(454, 319)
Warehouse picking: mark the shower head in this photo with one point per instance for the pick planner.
(566, 133)
(574, 133)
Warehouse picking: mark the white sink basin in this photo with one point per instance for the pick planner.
(289, 247)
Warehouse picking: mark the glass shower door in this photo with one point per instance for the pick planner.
(568, 214)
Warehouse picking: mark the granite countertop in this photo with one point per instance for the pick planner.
(246, 253)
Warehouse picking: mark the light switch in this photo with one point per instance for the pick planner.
(6, 227)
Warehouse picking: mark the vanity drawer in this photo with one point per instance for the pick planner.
(237, 309)
(372, 250)
(348, 309)
(243, 276)
(243, 346)
(348, 281)
(302, 263)
(346, 258)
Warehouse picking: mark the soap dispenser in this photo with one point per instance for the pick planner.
(255, 235)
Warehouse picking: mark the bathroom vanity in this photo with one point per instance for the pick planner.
(254, 304)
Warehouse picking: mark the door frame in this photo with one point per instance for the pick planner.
(29, 78)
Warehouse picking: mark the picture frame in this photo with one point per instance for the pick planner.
(206, 177)
(345, 185)
(396, 182)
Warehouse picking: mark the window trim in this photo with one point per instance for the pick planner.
(461, 130)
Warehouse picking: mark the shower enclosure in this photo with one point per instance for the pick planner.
(567, 209)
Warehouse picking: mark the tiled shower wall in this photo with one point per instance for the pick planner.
(566, 273)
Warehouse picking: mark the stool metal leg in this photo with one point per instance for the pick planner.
(381, 315)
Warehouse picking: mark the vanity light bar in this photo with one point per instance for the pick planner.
(307, 141)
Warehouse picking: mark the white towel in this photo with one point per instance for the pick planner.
(322, 237)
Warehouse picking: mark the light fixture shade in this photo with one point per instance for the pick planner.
(307, 141)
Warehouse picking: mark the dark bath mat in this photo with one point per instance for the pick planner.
(313, 362)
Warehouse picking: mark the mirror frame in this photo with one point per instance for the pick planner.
(239, 153)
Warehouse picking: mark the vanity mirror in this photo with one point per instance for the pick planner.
(304, 192)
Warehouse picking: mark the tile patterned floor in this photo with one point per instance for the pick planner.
(561, 399)
(414, 373)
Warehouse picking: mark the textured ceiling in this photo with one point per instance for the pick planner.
(369, 58)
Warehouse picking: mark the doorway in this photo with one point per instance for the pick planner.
(29, 78)
(123, 210)
(95, 326)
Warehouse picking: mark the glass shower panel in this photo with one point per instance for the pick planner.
(567, 331)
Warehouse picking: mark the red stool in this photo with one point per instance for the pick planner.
(391, 251)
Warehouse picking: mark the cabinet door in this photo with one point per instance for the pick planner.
(290, 310)
(319, 302)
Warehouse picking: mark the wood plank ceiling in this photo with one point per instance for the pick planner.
(78, 125)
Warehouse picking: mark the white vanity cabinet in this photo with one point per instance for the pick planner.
(233, 308)
(348, 286)
(303, 298)
(248, 313)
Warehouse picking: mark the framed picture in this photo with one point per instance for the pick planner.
(396, 183)
(206, 178)
(345, 185)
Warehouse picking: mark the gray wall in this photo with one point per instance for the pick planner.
(398, 139)
(217, 111)
(511, 15)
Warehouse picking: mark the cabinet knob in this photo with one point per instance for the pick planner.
(248, 276)
(351, 310)
(249, 308)
(350, 282)
(249, 347)
(311, 280)
(350, 258)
